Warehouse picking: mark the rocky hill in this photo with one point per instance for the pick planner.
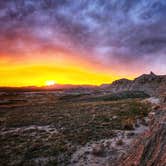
(150, 148)
(150, 84)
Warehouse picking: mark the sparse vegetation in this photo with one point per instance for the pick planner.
(120, 142)
(76, 123)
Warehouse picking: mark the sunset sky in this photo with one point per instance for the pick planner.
(80, 41)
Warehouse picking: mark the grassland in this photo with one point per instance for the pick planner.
(47, 129)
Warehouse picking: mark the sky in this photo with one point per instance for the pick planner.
(80, 41)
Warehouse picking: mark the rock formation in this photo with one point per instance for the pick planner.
(150, 148)
(150, 84)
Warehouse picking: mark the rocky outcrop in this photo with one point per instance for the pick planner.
(150, 84)
(119, 85)
(150, 148)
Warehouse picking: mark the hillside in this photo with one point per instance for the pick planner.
(150, 148)
(150, 84)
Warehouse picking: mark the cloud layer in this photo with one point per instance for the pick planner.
(129, 33)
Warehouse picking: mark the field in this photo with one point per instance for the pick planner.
(46, 128)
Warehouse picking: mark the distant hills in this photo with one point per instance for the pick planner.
(48, 88)
(150, 84)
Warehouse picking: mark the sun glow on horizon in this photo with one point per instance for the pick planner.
(50, 82)
(49, 75)
(51, 71)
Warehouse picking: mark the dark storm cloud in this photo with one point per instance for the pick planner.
(105, 30)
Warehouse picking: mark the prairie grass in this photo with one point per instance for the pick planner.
(77, 123)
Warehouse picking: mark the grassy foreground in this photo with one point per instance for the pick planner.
(50, 131)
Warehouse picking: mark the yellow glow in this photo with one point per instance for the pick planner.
(65, 69)
(37, 75)
(50, 83)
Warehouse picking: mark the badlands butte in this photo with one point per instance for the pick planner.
(118, 124)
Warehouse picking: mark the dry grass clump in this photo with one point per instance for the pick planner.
(128, 124)
(120, 142)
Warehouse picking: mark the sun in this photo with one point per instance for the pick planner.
(50, 82)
